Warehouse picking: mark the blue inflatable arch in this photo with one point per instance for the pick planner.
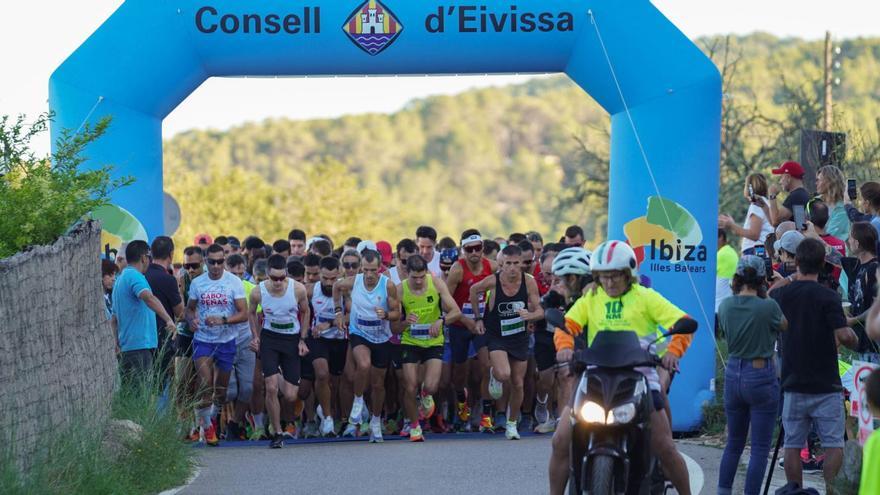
(663, 95)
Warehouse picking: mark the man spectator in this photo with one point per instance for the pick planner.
(812, 391)
(792, 182)
(120, 257)
(297, 240)
(785, 248)
(574, 236)
(727, 259)
(819, 217)
(108, 278)
(165, 288)
(133, 321)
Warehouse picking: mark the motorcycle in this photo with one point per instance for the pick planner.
(611, 416)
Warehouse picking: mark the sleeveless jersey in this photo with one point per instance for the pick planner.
(363, 320)
(325, 312)
(462, 293)
(503, 319)
(427, 307)
(280, 314)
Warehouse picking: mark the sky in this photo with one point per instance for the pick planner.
(33, 44)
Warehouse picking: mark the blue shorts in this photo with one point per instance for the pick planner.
(463, 342)
(804, 412)
(447, 352)
(222, 353)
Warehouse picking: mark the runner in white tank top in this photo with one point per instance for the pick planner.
(374, 303)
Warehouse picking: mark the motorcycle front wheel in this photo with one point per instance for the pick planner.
(601, 476)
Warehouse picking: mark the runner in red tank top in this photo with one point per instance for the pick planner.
(470, 269)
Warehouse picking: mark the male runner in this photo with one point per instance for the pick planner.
(286, 323)
(241, 381)
(297, 240)
(470, 268)
(405, 249)
(513, 302)
(312, 264)
(216, 303)
(328, 344)
(374, 304)
(422, 296)
(426, 238)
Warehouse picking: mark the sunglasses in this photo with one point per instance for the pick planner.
(192, 266)
(215, 262)
(350, 266)
(473, 249)
(278, 279)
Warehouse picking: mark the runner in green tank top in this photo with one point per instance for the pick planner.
(422, 296)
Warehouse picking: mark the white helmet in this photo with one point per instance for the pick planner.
(572, 261)
(614, 255)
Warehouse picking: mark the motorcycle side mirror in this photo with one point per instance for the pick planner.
(686, 326)
(555, 318)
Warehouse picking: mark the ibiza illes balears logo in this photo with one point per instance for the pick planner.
(372, 27)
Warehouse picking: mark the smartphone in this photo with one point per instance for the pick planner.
(760, 251)
(800, 217)
(768, 269)
(851, 189)
(751, 193)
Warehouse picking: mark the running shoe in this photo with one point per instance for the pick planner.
(311, 430)
(812, 466)
(234, 431)
(404, 432)
(211, 436)
(548, 426)
(415, 434)
(496, 388)
(289, 431)
(500, 420)
(525, 422)
(257, 434)
(463, 410)
(376, 431)
(486, 424)
(510, 431)
(327, 427)
(391, 427)
(438, 424)
(541, 412)
(350, 431)
(194, 434)
(357, 409)
(427, 406)
(277, 442)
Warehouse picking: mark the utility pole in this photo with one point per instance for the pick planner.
(829, 61)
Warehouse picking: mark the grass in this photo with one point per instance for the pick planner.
(73, 461)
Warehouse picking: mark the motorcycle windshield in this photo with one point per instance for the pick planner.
(616, 349)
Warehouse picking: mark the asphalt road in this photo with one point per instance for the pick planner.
(443, 464)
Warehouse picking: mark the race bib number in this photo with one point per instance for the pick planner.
(370, 327)
(468, 311)
(512, 326)
(421, 331)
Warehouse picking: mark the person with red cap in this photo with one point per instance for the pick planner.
(384, 248)
(203, 241)
(792, 182)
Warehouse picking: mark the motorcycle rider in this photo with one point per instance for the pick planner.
(616, 302)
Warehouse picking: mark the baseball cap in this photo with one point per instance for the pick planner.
(384, 248)
(203, 239)
(749, 261)
(789, 241)
(366, 245)
(793, 169)
(448, 256)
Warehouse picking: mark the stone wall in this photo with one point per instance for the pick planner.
(57, 357)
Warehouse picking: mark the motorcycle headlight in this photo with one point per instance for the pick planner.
(592, 413)
(622, 414)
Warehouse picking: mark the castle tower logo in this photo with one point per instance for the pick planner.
(372, 27)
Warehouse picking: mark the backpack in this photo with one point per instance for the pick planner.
(793, 488)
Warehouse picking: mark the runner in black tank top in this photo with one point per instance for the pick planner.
(506, 329)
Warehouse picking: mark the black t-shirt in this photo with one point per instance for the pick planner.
(799, 196)
(809, 350)
(165, 288)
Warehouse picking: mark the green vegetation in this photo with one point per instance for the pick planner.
(502, 159)
(41, 197)
(75, 460)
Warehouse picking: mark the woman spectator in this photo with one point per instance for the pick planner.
(831, 185)
(870, 204)
(750, 321)
(863, 285)
(757, 224)
(109, 270)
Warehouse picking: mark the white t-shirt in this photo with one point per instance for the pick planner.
(766, 227)
(216, 298)
(434, 264)
(722, 291)
(394, 275)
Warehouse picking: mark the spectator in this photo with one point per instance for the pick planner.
(819, 217)
(792, 182)
(165, 288)
(120, 256)
(724, 269)
(133, 320)
(757, 224)
(813, 395)
(870, 192)
(108, 278)
(863, 285)
(750, 323)
(870, 481)
(785, 249)
(831, 186)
